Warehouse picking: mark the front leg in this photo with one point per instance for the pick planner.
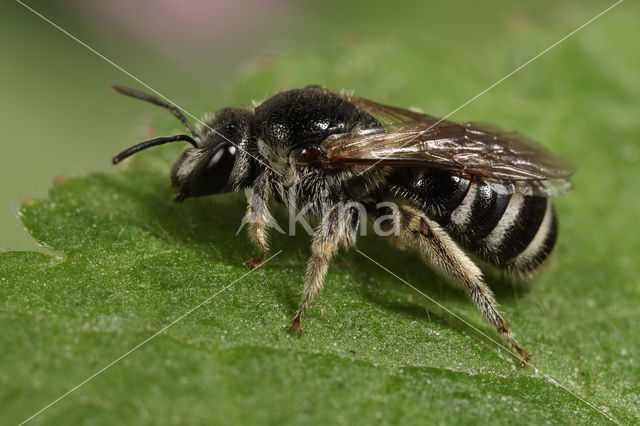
(339, 226)
(259, 219)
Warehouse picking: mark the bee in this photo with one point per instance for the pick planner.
(469, 191)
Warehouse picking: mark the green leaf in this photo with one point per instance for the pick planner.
(126, 261)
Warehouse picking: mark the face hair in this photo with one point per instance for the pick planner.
(153, 142)
(156, 101)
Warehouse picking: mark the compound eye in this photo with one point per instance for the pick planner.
(222, 161)
(215, 175)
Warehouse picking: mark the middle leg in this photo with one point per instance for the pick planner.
(339, 226)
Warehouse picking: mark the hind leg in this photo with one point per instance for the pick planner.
(446, 258)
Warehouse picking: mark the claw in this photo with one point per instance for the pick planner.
(295, 325)
(524, 355)
(254, 263)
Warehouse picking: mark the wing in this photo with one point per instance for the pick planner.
(386, 115)
(508, 161)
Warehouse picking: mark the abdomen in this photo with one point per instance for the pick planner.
(513, 232)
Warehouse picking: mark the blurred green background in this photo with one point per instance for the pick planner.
(59, 117)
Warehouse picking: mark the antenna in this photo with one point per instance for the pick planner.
(152, 142)
(156, 101)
